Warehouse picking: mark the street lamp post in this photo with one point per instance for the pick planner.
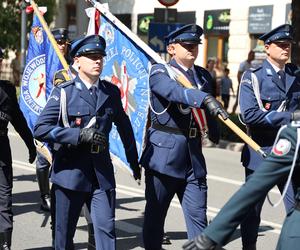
(23, 36)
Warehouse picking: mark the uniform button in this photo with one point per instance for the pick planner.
(195, 103)
(78, 113)
(97, 126)
(159, 144)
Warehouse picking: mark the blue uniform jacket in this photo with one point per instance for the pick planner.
(263, 126)
(74, 166)
(170, 153)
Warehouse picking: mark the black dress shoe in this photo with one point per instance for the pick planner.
(45, 203)
(91, 237)
(201, 242)
(5, 247)
(166, 240)
(5, 240)
(250, 247)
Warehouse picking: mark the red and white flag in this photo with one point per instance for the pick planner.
(198, 114)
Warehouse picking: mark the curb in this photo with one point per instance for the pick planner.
(233, 146)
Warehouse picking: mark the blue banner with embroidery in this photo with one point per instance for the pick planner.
(126, 66)
(41, 65)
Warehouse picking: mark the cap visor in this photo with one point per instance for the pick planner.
(100, 52)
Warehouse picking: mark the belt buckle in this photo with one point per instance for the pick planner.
(95, 149)
(192, 132)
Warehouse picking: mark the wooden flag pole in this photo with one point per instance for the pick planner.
(230, 124)
(50, 36)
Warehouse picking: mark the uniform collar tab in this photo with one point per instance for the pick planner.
(269, 72)
(78, 85)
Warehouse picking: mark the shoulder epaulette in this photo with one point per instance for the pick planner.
(200, 68)
(110, 85)
(158, 68)
(106, 82)
(291, 68)
(60, 76)
(7, 85)
(255, 69)
(6, 82)
(65, 84)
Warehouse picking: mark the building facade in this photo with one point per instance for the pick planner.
(231, 27)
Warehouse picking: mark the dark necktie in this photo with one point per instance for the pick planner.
(281, 74)
(93, 91)
(192, 78)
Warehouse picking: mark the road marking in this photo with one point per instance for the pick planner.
(233, 182)
(23, 165)
(211, 211)
(14, 134)
(135, 192)
(209, 177)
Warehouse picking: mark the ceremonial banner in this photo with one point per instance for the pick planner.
(53, 64)
(126, 66)
(41, 64)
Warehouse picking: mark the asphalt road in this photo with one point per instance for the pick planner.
(32, 228)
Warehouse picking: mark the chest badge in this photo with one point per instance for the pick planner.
(267, 105)
(78, 121)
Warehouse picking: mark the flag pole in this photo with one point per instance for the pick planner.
(180, 79)
(50, 36)
(231, 124)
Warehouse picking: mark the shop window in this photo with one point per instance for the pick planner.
(71, 20)
(216, 47)
(125, 19)
(259, 49)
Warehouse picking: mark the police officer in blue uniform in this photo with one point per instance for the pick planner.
(61, 36)
(77, 119)
(42, 164)
(269, 98)
(172, 158)
(282, 162)
(60, 77)
(9, 112)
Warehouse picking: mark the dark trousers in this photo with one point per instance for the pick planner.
(289, 238)
(250, 226)
(41, 162)
(68, 207)
(85, 209)
(52, 209)
(160, 189)
(6, 183)
(225, 99)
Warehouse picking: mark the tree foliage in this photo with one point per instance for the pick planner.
(10, 21)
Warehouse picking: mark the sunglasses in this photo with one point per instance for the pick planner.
(61, 42)
(189, 46)
(93, 56)
(283, 44)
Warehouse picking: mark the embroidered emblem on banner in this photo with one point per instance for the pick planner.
(33, 87)
(38, 34)
(282, 147)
